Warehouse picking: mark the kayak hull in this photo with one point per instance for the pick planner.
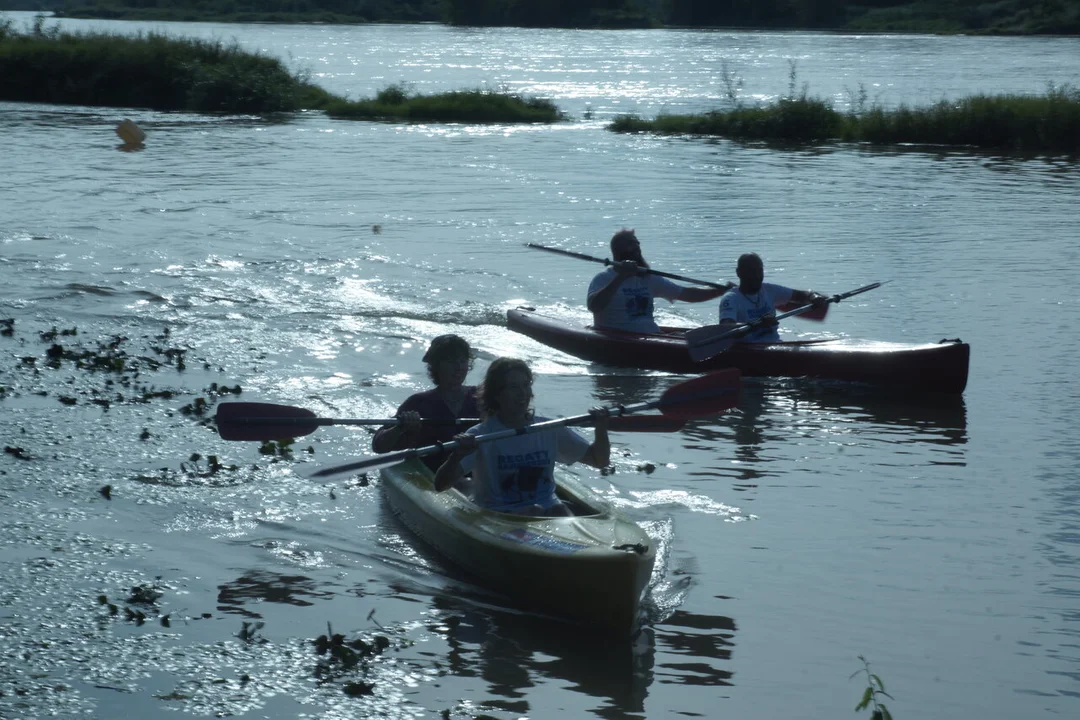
(589, 569)
(931, 367)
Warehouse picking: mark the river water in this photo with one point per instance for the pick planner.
(310, 260)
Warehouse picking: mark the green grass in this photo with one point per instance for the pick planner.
(158, 72)
(1044, 123)
(146, 71)
(469, 106)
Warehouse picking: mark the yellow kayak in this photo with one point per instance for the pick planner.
(590, 568)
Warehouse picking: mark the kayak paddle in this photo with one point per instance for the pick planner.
(710, 340)
(817, 313)
(267, 421)
(705, 395)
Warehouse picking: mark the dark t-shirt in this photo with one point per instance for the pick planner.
(431, 407)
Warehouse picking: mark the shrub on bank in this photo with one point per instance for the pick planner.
(471, 106)
(1048, 123)
(146, 71)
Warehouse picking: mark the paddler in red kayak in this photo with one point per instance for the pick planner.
(448, 359)
(755, 300)
(621, 297)
(517, 474)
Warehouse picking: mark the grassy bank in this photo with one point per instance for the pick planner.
(397, 103)
(163, 73)
(146, 71)
(1045, 123)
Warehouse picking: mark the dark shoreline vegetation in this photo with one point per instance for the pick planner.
(158, 72)
(154, 71)
(1024, 123)
(1061, 17)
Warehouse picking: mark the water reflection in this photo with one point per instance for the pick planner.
(765, 406)
(514, 652)
(257, 586)
(698, 638)
(627, 389)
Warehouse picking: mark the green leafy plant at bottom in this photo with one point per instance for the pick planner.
(875, 688)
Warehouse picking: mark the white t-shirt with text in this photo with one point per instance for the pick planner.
(516, 472)
(631, 308)
(742, 308)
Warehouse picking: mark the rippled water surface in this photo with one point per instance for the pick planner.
(309, 261)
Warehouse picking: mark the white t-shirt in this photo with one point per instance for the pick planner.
(515, 472)
(631, 308)
(741, 308)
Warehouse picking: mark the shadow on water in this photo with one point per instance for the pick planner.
(512, 652)
(698, 638)
(258, 586)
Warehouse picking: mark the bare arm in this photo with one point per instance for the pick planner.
(801, 297)
(694, 295)
(599, 453)
(451, 471)
(388, 437)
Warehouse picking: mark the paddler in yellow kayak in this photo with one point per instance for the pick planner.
(516, 474)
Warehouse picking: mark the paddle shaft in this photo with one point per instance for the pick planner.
(700, 395)
(605, 261)
(701, 341)
(403, 455)
(812, 314)
(321, 422)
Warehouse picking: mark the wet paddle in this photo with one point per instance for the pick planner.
(817, 313)
(702, 396)
(711, 340)
(267, 421)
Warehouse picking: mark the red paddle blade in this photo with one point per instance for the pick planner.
(645, 423)
(263, 421)
(817, 313)
(706, 395)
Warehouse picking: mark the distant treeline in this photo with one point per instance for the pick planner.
(942, 16)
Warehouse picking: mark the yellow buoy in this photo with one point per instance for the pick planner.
(130, 133)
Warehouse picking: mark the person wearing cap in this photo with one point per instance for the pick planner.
(448, 360)
(621, 297)
(516, 474)
(755, 300)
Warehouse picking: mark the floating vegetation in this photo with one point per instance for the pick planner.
(341, 658)
(17, 452)
(194, 468)
(398, 102)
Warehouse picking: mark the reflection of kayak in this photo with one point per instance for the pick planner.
(590, 568)
(940, 367)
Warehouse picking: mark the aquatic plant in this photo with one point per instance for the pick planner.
(1027, 123)
(399, 102)
(875, 688)
(147, 71)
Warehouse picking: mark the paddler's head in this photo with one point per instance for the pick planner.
(625, 246)
(751, 272)
(449, 359)
(507, 390)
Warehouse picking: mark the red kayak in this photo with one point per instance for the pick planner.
(933, 367)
